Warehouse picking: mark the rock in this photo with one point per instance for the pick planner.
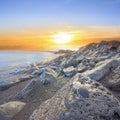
(99, 72)
(59, 71)
(47, 76)
(114, 86)
(80, 99)
(28, 88)
(92, 64)
(10, 109)
(80, 58)
(85, 62)
(27, 77)
(53, 67)
(82, 92)
(114, 45)
(113, 82)
(102, 49)
(64, 63)
(51, 71)
(70, 62)
(5, 84)
(34, 68)
(16, 71)
(69, 72)
(19, 71)
(37, 72)
(81, 68)
(43, 78)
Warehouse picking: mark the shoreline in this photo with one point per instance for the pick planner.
(23, 65)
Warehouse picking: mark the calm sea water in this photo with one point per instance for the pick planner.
(11, 59)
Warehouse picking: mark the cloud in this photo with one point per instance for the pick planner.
(8, 47)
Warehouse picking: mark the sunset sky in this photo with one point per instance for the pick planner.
(32, 24)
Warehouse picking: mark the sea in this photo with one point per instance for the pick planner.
(11, 60)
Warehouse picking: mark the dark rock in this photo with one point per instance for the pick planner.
(81, 91)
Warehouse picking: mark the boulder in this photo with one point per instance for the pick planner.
(70, 62)
(100, 71)
(114, 45)
(70, 71)
(47, 76)
(81, 68)
(51, 71)
(10, 109)
(113, 82)
(85, 62)
(27, 77)
(27, 89)
(5, 84)
(80, 99)
(80, 58)
(92, 63)
(34, 68)
(37, 72)
(43, 78)
(63, 63)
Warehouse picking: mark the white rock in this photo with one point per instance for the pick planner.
(80, 58)
(70, 71)
(51, 71)
(42, 77)
(81, 68)
(80, 99)
(37, 72)
(10, 109)
(48, 75)
(102, 70)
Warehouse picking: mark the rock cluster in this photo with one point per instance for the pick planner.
(81, 99)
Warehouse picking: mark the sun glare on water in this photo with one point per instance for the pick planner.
(62, 38)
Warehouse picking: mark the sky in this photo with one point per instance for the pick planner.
(29, 24)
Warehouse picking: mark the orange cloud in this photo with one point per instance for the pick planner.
(40, 39)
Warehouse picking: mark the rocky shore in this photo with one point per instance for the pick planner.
(78, 85)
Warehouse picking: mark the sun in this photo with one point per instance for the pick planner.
(62, 38)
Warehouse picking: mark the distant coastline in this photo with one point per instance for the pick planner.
(10, 60)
